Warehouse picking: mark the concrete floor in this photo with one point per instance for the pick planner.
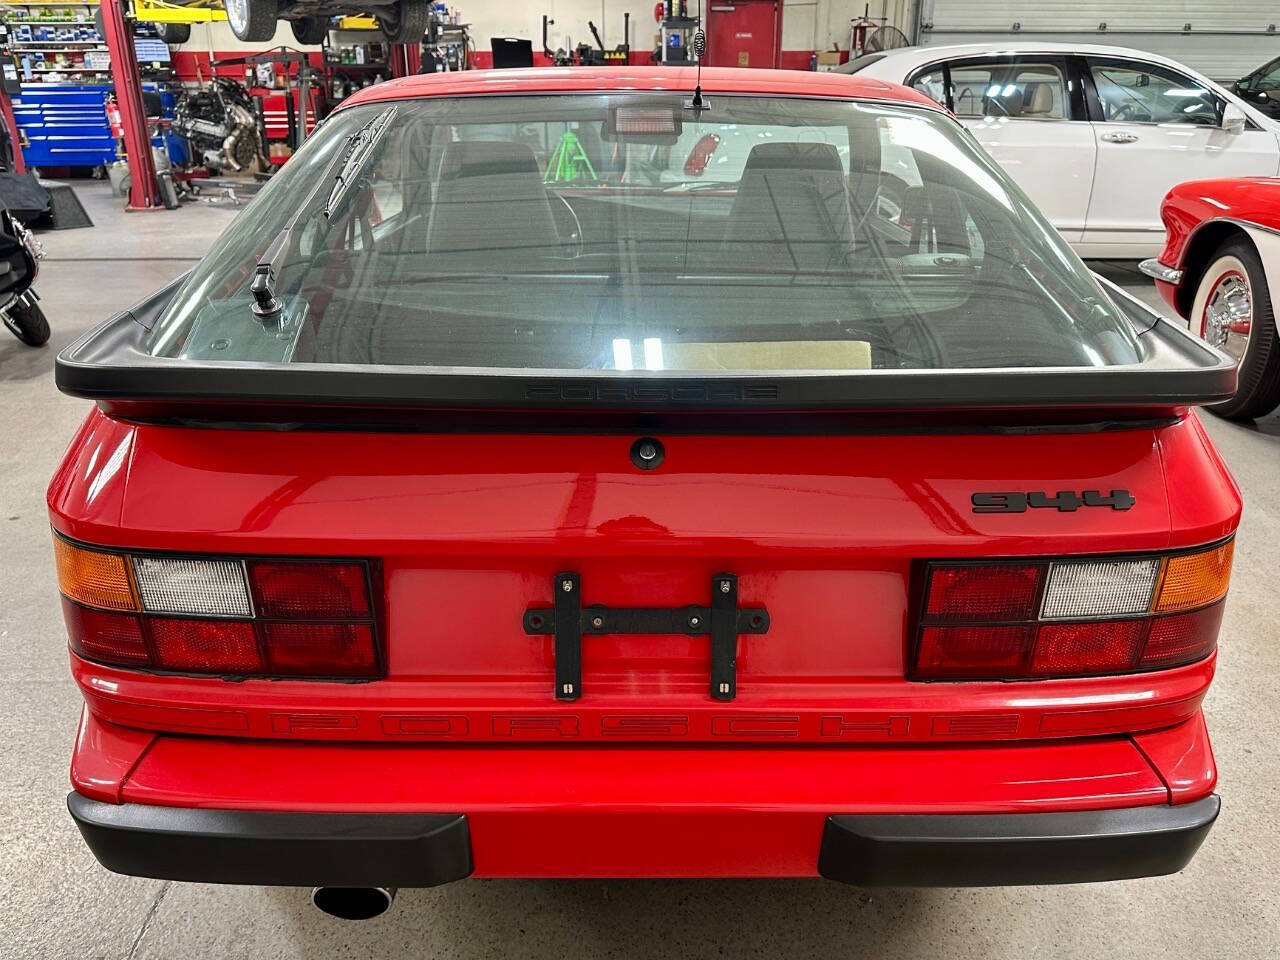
(55, 901)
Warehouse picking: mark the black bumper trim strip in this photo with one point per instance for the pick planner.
(1018, 848)
(275, 849)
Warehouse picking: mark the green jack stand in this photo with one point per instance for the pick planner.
(569, 162)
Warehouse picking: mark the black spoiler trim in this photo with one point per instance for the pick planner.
(108, 364)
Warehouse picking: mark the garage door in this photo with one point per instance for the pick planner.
(1222, 40)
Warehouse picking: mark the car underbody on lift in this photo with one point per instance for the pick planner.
(402, 21)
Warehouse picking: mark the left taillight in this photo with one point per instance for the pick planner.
(222, 616)
(1069, 617)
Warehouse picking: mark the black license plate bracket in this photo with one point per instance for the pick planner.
(568, 621)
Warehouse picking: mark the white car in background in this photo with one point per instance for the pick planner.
(1095, 135)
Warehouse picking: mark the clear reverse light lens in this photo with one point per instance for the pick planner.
(1099, 589)
(214, 588)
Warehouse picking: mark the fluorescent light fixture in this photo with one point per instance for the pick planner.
(622, 355)
(652, 353)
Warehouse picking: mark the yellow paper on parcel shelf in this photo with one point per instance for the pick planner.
(772, 355)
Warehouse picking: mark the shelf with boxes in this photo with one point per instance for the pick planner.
(63, 67)
(56, 43)
(351, 61)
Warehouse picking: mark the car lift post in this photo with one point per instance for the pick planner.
(15, 135)
(405, 59)
(144, 191)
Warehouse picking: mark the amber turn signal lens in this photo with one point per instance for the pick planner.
(1195, 579)
(95, 579)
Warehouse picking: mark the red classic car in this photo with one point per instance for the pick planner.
(505, 496)
(1221, 254)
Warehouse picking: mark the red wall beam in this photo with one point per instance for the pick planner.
(144, 192)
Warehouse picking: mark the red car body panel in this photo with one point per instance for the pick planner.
(837, 517)
(1190, 207)
(645, 774)
(841, 518)
(782, 83)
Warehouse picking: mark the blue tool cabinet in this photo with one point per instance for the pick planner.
(66, 124)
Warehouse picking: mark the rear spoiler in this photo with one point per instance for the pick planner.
(111, 366)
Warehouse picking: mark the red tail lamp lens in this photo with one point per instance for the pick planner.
(220, 615)
(1070, 616)
(1181, 639)
(1063, 649)
(103, 636)
(205, 646)
(973, 652)
(319, 649)
(984, 591)
(311, 590)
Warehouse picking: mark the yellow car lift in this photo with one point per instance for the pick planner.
(206, 11)
(198, 11)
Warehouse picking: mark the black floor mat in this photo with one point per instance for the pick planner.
(65, 210)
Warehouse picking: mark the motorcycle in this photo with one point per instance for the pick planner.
(20, 254)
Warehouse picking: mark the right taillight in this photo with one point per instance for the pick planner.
(223, 616)
(1069, 618)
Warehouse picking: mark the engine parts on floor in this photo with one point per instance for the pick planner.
(222, 126)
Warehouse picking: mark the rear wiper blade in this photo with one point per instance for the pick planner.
(266, 305)
(359, 149)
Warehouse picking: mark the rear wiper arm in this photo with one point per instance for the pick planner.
(266, 305)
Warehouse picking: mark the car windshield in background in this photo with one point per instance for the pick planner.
(623, 232)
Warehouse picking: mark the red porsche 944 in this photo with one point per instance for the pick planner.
(588, 473)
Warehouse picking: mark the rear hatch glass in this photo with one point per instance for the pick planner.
(625, 233)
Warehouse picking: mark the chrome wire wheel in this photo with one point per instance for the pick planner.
(1226, 317)
(1232, 311)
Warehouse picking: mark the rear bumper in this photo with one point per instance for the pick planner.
(1018, 848)
(414, 850)
(253, 811)
(1158, 270)
(275, 849)
(1168, 279)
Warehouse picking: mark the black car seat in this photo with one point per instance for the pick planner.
(791, 212)
(491, 203)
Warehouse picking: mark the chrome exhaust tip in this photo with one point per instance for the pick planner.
(353, 903)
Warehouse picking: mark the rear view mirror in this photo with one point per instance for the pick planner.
(1233, 119)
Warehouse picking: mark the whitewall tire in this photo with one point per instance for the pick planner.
(1232, 311)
